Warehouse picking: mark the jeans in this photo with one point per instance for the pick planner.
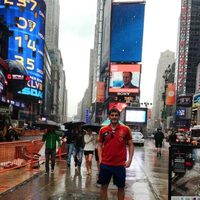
(78, 156)
(70, 149)
(48, 153)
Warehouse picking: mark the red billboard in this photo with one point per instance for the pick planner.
(120, 106)
(100, 92)
(125, 79)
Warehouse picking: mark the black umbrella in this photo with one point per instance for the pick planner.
(46, 123)
(94, 127)
(73, 124)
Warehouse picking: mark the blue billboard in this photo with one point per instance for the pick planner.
(26, 23)
(127, 21)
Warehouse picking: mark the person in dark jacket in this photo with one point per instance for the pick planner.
(159, 136)
(50, 138)
(79, 147)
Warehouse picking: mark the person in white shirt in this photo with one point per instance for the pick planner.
(90, 142)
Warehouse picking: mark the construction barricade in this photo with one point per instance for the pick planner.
(22, 153)
(18, 154)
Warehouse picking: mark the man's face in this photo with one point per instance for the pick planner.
(114, 117)
(126, 78)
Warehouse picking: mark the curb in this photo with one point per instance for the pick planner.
(20, 184)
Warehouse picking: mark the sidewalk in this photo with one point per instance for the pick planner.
(16, 177)
(137, 185)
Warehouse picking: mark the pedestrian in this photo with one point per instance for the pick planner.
(89, 139)
(113, 140)
(159, 136)
(79, 147)
(70, 135)
(50, 138)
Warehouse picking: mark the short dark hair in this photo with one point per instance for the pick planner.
(114, 110)
(131, 75)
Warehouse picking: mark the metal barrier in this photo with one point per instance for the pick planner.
(22, 153)
(18, 154)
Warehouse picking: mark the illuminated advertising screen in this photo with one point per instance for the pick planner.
(125, 79)
(136, 115)
(26, 23)
(127, 21)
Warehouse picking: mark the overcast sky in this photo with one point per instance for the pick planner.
(77, 25)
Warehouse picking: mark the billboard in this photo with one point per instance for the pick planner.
(196, 100)
(100, 92)
(135, 115)
(170, 94)
(125, 79)
(127, 21)
(119, 105)
(184, 101)
(26, 23)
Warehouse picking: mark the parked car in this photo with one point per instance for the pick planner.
(138, 138)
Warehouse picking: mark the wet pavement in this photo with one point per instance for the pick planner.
(147, 179)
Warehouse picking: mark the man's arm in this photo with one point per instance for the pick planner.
(131, 152)
(100, 151)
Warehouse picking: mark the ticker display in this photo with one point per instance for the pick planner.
(26, 23)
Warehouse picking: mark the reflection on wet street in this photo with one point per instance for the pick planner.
(147, 179)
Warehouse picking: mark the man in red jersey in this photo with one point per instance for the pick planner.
(112, 143)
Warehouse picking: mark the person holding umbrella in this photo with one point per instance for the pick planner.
(50, 138)
(90, 141)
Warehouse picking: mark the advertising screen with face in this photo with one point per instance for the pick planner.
(125, 79)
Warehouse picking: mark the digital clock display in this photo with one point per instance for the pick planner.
(26, 22)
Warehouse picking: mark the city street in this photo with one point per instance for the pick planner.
(147, 179)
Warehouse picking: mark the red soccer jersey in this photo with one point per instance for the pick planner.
(114, 144)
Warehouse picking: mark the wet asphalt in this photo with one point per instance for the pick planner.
(147, 179)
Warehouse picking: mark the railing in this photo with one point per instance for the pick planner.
(23, 153)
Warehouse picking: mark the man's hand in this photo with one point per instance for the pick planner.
(128, 163)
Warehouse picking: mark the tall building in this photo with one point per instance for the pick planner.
(166, 58)
(52, 23)
(188, 47)
(59, 92)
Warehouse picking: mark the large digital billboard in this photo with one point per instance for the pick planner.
(127, 21)
(125, 79)
(135, 115)
(26, 23)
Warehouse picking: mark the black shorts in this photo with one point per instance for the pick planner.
(158, 144)
(117, 172)
(86, 153)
